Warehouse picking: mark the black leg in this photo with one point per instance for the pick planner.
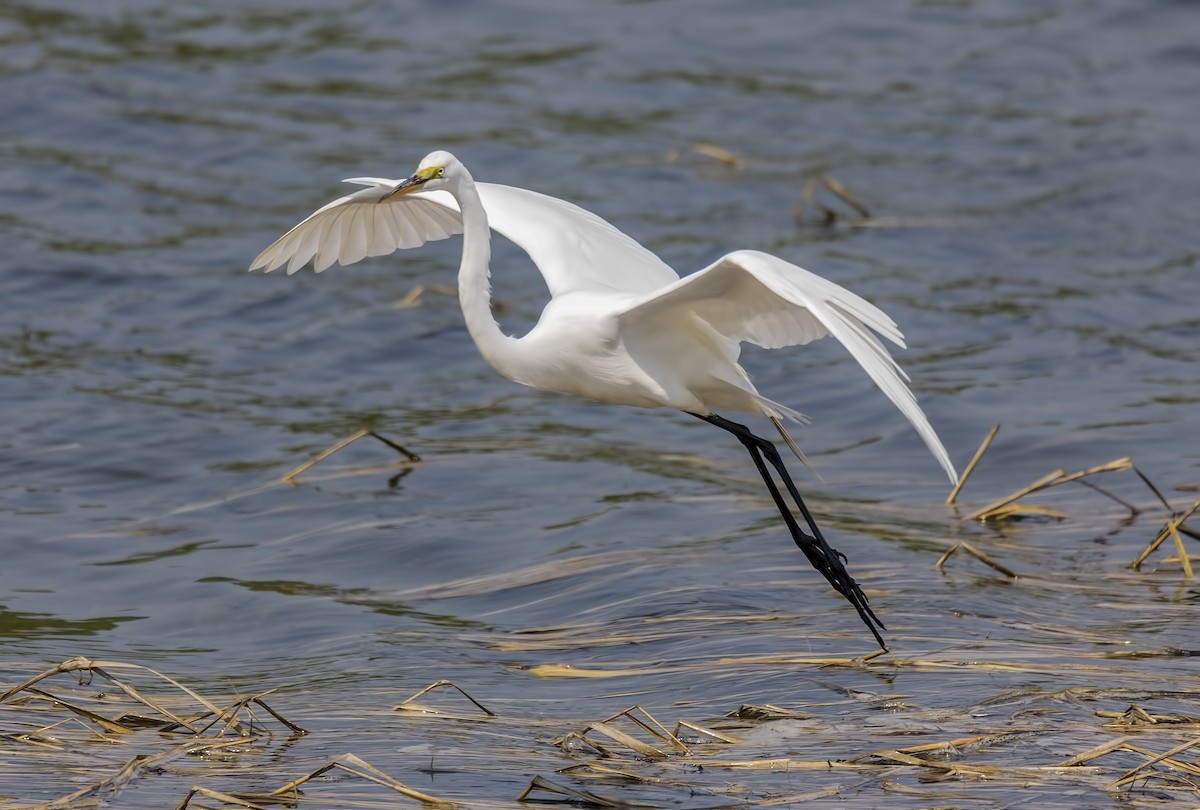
(825, 559)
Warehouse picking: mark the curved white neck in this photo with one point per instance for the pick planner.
(474, 282)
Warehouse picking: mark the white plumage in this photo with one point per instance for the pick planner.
(621, 326)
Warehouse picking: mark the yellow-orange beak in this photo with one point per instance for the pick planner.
(411, 184)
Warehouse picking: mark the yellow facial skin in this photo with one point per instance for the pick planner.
(420, 178)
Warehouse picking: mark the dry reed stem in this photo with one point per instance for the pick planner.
(953, 745)
(229, 715)
(1165, 758)
(217, 795)
(290, 478)
(258, 699)
(129, 723)
(586, 798)
(826, 215)
(1140, 718)
(616, 735)
(98, 719)
(977, 554)
(82, 664)
(871, 656)
(962, 479)
(650, 725)
(1133, 510)
(114, 783)
(1162, 499)
(1180, 550)
(892, 759)
(1016, 510)
(1171, 529)
(42, 736)
(1136, 565)
(1096, 752)
(568, 671)
(70, 665)
(1052, 479)
(136, 695)
(840, 791)
(411, 298)
(358, 767)
(708, 150)
(600, 770)
(644, 721)
(766, 711)
(404, 704)
(845, 196)
(1041, 483)
(1133, 716)
(707, 732)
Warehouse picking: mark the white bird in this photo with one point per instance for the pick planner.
(621, 326)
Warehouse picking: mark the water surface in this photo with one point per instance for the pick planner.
(1032, 175)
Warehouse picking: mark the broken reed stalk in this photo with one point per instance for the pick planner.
(83, 664)
(1006, 506)
(216, 795)
(1154, 489)
(1041, 483)
(1171, 529)
(871, 656)
(407, 703)
(113, 784)
(363, 770)
(1052, 479)
(650, 725)
(827, 215)
(584, 798)
(647, 723)
(701, 730)
(628, 740)
(171, 722)
(290, 477)
(1166, 757)
(1180, 550)
(708, 150)
(977, 554)
(962, 479)
(411, 298)
(843, 193)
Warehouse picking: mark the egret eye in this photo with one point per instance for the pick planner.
(441, 171)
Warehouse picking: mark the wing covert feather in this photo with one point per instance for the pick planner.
(752, 296)
(574, 249)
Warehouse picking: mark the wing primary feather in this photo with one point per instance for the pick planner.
(753, 296)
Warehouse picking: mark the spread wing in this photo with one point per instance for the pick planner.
(759, 298)
(574, 249)
(356, 226)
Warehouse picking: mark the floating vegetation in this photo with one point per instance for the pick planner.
(1014, 507)
(1130, 742)
(73, 719)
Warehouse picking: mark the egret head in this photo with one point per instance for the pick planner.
(436, 170)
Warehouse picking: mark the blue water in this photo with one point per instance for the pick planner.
(1032, 175)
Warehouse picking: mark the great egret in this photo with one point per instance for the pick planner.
(621, 326)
